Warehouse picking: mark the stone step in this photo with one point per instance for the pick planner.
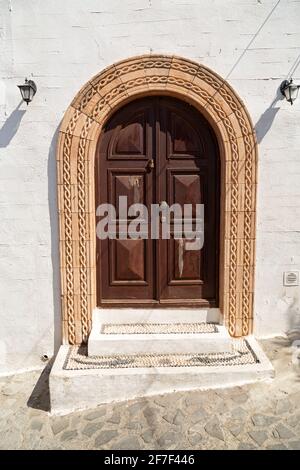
(78, 381)
(157, 338)
(156, 315)
(156, 331)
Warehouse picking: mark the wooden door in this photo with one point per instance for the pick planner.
(158, 149)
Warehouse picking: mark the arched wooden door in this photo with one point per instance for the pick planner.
(158, 149)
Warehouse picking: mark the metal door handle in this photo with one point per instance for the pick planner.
(150, 164)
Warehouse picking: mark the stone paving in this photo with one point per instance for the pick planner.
(257, 416)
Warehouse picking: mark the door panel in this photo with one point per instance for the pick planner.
(184, 264)
(185, 188)
(183, 139)
(188, 169)
(125, 266)
(128, 261)
(184, 169)
(132, 138)
(131, 184)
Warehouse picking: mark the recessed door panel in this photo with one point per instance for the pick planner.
(186, 267)
(183, 139)
(131, 138)
(127, 183)
(128, 261)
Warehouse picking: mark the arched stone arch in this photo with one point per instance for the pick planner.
(78, 136)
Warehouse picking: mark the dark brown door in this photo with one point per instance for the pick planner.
(153, 150)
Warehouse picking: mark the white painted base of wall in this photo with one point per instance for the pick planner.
(72, 390)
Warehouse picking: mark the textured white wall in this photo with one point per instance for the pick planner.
(255, 44)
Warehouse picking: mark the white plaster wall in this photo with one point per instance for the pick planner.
(255, 44)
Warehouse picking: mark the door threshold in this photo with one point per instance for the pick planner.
(156, 315)
(168, 303)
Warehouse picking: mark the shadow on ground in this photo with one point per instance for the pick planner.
(40, 396)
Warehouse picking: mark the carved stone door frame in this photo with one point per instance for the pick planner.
(79, 133)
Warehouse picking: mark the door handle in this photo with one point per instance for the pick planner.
(150, 164)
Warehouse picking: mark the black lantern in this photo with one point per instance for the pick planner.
(28, 90)
(289, 90)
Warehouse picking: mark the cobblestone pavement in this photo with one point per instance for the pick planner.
(258, 416)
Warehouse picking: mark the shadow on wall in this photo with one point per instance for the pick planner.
(293, 332)
(291, 339)
(11, 126)
(266, 120)
(293, 336)
(53, 212)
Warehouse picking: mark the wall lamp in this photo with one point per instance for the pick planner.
(289, 90)
(28, 90)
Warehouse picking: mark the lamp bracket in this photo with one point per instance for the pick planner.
(284, 85)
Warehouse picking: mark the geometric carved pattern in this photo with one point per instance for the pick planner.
(78, 136)
(131, 252)
(187, 190)
(131, 186)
